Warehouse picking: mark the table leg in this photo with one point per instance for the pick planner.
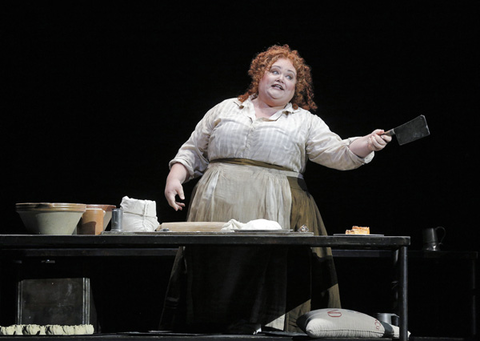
(473, 299)
(403, 302)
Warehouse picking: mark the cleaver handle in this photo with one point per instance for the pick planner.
(390, 132)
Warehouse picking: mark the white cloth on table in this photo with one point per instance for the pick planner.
(139, 215)
(252, 225)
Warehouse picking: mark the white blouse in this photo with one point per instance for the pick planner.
(288, 138)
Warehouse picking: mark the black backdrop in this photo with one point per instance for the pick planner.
(98, 96)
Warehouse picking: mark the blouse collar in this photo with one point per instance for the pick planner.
(249, 105)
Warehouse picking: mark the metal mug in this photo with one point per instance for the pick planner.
(389, 318)
(430, 238)
(117, 220)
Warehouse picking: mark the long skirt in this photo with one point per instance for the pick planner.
(241, 288)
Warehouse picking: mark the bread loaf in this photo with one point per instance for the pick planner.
(358, 230)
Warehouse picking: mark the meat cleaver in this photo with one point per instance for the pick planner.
(410, 131)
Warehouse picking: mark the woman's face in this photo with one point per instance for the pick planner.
(277, 86)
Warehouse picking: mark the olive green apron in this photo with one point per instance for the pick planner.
(216, 288)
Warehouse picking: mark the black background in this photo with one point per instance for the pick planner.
(98, 97)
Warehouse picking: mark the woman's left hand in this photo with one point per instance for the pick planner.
(370, 143)
(376, 141)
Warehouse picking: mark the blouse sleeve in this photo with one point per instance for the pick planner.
(193, 153)
(330, 150)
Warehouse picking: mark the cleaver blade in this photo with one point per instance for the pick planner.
(410, 131)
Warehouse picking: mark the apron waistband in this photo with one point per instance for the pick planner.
(248, 162)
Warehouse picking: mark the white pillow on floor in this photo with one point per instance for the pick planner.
(332, 322)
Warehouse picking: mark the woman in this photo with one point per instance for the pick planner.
(251, 152)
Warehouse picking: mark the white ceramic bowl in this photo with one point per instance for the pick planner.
(50, 218)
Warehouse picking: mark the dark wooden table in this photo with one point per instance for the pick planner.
(120, 244)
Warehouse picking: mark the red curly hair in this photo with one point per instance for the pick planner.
(303, 96)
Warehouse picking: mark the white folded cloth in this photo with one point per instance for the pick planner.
(139, 215)
(252, 225)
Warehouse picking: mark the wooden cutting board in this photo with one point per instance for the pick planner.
(192, 226)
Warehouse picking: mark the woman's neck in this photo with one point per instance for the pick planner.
(262, 109)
